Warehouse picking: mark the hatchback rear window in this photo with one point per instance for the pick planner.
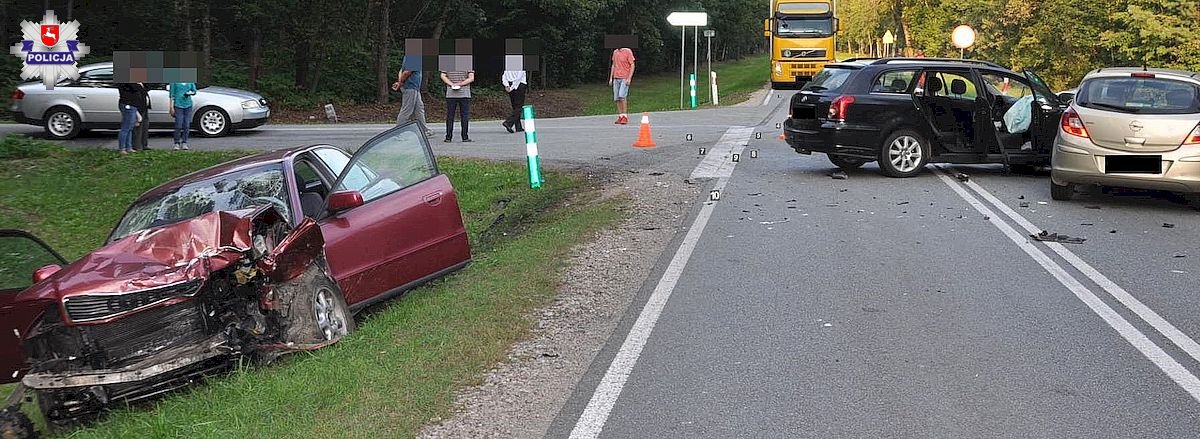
(1139, 95)
(829, 79)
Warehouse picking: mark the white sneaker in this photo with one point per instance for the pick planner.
(176, 148)
(184, 146)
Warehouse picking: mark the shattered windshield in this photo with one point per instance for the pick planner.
(234, 191)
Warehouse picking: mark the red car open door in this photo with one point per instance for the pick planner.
(21, 254)
(409, 228)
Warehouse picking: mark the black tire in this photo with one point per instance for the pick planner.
(314, 299)
(911, 151)
(211, 130)
(846, 163)
(1061, 192)
(15, 424)
(61, 123)
(1024, 169)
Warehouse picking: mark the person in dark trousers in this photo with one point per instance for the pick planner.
(128, 104)
(141, 131)
(515, 84)
(458, 97)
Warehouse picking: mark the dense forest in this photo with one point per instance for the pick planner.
(1060, 39)
(304, 52)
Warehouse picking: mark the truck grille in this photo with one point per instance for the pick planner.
(805, 53)
(102, 306)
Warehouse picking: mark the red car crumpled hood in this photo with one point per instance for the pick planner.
(159, 256)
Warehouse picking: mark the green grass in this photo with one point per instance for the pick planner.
(406, 361)
(736, 80)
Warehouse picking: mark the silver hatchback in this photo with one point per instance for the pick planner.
(1128, 127)
(90, 102)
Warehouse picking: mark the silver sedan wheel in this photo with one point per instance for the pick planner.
(905, 153)
(61, 124)
(212, 122)
(331, 317)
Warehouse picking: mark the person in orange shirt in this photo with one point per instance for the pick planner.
(620, 76)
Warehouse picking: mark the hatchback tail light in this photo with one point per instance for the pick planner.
(17, 95)
(839, 107)
(1194, 137)
(1073, 125)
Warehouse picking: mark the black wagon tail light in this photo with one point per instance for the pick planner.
(839, 107)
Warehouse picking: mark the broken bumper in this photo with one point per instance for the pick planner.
(809, 136)
(150, 369)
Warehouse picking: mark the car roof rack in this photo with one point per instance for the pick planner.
(860, 59)
(945, 60)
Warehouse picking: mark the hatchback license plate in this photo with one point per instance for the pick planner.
(1133, 164)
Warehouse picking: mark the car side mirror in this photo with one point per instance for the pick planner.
(45, 272)
(344, 200)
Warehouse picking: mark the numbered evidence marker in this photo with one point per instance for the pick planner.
(703, 151)
(714, 195)
(778, 125)
(688, 137)
(737, 158)
(754, 153)
(757, 136)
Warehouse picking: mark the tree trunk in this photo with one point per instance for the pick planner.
(206, 41)
(898, 15)
(382, 70)
(255, 57)
(316, 76)
(302, 59)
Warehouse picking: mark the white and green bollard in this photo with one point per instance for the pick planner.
(535, 173)
(692, 81)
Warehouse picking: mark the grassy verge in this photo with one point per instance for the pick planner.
(405, 363)
(660, 92)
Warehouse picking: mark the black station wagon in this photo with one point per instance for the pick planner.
(908, 112)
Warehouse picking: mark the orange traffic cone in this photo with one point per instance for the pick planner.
(644, 139)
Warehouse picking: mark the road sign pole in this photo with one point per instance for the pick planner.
(682, 61)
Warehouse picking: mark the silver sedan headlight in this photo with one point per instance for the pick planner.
(250, 105)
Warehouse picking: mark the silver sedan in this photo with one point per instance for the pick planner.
(90, 102)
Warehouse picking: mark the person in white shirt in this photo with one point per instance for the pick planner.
(515, 84)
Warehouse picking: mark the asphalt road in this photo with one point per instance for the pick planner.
(796, 305)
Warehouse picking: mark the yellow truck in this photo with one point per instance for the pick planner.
(801, 34)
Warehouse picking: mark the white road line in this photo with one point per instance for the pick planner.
(718, 161)
(591, 422)
(543, 127)
(767, 99)
(1186, 343)
(1131, 334)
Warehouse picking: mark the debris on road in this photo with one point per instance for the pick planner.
(1023, 204)
(756, 194)
(1112, 231)
(1168, 226)
(1043, 203)
(656, 173)
(1020, 197)
(770, 223)
(1087, 224)
(1092, 207)
(828, 325)
(1046, 236)
(1178, 271)
(1180, 256)
(839, 175)
(962, 177)
(901, 203)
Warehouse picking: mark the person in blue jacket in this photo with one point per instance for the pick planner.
(181, 109)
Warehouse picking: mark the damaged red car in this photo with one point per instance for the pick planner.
(248, 259)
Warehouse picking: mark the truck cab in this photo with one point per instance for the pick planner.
(801, 35)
